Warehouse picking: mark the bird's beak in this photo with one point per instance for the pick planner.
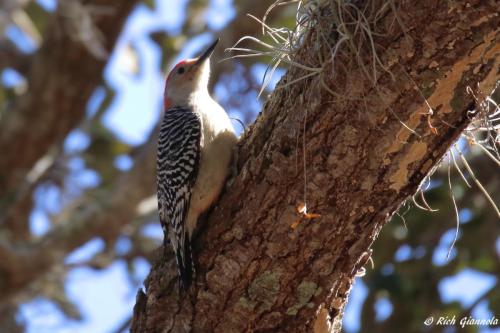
(207, 53)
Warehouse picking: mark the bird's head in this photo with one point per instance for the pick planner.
(187, 78)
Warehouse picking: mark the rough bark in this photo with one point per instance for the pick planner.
(255, 272)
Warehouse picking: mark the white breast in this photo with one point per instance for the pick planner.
(217, 147)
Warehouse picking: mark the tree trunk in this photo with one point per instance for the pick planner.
(366, 149)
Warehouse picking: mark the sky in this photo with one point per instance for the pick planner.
(106, 297)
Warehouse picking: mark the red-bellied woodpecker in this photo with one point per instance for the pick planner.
(195, 147)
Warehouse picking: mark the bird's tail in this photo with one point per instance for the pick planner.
(185, 263)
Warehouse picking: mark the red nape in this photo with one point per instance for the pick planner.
(167, 103)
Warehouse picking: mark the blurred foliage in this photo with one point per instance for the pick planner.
(410, 281)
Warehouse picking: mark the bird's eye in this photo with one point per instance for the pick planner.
(181, 70)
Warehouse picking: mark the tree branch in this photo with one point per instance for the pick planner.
(11, 56)
(101, 216)
(256, 273)
(55, 106)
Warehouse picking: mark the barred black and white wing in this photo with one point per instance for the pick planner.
(177, 168)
